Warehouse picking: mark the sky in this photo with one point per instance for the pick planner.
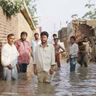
(53, 14)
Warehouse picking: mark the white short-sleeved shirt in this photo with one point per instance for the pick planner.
(74, 50)
(9, 55)
(44, 57)
(35, 43)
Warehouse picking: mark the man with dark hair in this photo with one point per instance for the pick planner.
(44, 33)
(44, 59)
(9, 35)
(24, 49)
(35, 42)
(87, 49)
(82, 54)
(24, 33)
(54, 36)
(9, 57)
(58, 47)
(36, 34)
(73, 53)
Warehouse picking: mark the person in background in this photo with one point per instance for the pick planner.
(24, 49)
(44, 59)
(87, 48)
(9, 57)
(58, 52)
(82, 54)
(35, 42)
(54, 36)
(73, 53)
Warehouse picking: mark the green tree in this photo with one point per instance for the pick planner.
(33, 10)
(27, 2)
(91, 13)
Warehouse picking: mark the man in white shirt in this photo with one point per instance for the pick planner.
(87, 49)
(44, 59)
(35, 42)
(73, 53)
(9, 56)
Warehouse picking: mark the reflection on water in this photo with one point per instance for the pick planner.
(80, 83)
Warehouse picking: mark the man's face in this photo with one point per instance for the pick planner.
(72, 40)
(36, 36)
(54, 37)
(86, 39)
(11, 40)
(56, 41)
(44, 38)
(23, 37)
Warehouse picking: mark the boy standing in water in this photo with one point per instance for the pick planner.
(57, 52)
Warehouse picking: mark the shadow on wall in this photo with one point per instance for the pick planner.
(1, 68)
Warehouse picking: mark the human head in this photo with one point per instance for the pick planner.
(54, 36)
(44, 36)
(80, 43)
(36, 36)
(10, 38)
(85, 39)
(55, 40)
(72, 39)
(24, 36)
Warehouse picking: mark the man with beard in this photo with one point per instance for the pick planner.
(44, 59)
(24, 49)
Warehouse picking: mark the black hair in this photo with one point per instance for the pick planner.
(9, 35)
(54, 35)
(36, 34)
(73, 37)
(44, 33)
(80, 43)
(22, 33)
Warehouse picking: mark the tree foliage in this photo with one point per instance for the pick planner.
(91, 14)
(11, 7)
(32, 9)
(27, 2)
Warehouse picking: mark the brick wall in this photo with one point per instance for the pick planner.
(7, 26)
(24, 26)
(15, 25)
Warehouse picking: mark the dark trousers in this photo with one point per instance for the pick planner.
(73, 62)
(23, 67)
(57, 59)
(83, 60)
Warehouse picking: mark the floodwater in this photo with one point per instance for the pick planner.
(80, 83)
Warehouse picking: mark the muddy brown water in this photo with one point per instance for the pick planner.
(80, 83)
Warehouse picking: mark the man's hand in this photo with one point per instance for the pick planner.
(18, 68)
(9, 66)
(51, 71)
(35, 69)
(67, 60)
(57, 53)
(35, 72)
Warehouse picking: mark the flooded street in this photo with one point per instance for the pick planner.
(80, 83)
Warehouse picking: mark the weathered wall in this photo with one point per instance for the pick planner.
(15, 25)
(24, 26)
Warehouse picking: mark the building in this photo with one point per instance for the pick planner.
(62, 35)
(84, 28)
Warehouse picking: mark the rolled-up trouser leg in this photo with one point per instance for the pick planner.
(43, 77)
(72, 64)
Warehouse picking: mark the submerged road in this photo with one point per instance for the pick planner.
(80, 83)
